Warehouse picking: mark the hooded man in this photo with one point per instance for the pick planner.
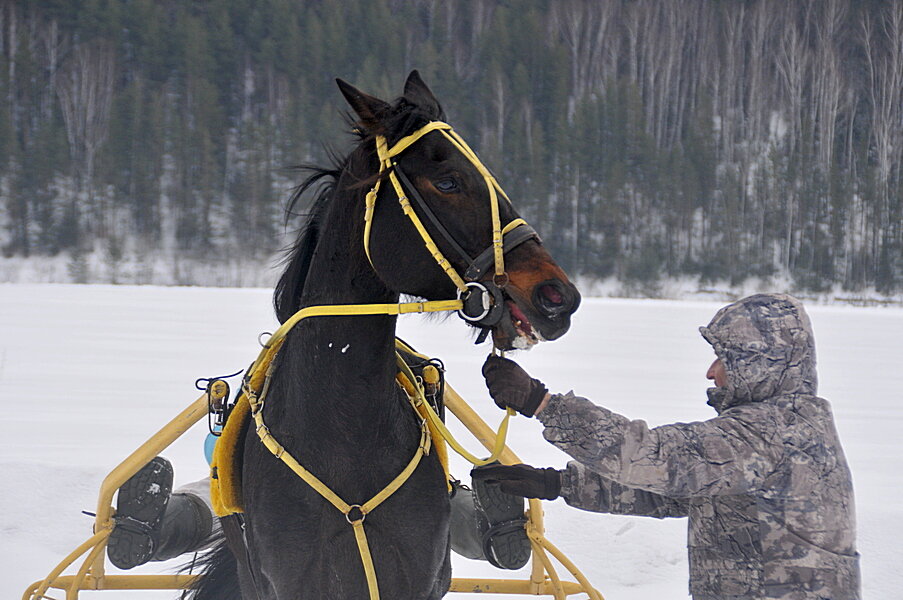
(765, 484)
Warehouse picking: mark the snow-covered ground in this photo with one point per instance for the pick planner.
(87, 373)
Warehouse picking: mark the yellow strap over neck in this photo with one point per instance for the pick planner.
(336, 310)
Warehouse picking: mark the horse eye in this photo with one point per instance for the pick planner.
(447, 185)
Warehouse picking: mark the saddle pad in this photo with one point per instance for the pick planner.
(225, 469)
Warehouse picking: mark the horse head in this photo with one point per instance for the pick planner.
(440, 227)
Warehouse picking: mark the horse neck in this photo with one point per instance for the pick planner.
(339, 372)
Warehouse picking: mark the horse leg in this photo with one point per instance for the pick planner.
(443, 581)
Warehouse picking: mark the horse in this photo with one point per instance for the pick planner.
(332, 398)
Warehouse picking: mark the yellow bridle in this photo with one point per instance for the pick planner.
(386, 163)
(257, 380)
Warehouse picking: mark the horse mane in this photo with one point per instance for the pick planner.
(287, 295)
(404, 118)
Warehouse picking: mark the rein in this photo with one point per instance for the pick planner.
(477, 302)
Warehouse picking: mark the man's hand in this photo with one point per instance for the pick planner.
(522, 480)
(510, 385)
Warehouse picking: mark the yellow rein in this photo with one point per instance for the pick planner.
(258, 377)
(440, 427)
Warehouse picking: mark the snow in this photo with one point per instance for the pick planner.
(88, 373)
(137, 266)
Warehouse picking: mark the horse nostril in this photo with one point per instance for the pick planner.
(551, 299)
(551, 295)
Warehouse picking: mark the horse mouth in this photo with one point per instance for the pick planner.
(516, 331)
(525, 335)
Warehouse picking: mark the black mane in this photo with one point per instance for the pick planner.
(403, 119)
(287, 295)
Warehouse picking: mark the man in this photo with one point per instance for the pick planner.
(764, 484)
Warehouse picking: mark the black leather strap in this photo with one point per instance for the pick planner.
(486, 259)
(412, 192)
(478, 266)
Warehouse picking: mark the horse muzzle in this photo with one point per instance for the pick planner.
(543, 314)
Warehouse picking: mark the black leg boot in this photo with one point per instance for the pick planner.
(140, 506)
(186, 526)
(466, 537)
(501, 522)
(152, 523)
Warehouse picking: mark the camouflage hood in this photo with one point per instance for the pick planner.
(766, 344)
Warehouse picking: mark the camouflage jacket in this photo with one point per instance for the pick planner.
(765, 484)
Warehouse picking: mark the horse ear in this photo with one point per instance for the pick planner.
(371, 110)
(416, 92)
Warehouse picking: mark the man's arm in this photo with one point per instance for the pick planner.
(725, 455)
(587, 490)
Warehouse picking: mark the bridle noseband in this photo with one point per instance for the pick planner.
(482, 302)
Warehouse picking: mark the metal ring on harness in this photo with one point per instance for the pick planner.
(359, 509)
(468, 301)
(482, 304)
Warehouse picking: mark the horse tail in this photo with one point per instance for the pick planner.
(218, 575)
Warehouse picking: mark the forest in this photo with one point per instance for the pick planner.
(720, 140)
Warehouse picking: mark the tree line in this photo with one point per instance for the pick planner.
(720, 139)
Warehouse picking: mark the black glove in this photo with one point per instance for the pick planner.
(510, 385)
(522, 480)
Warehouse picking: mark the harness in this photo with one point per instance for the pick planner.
(479, 303)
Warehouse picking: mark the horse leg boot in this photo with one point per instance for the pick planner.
(152, 523)
(487, 524)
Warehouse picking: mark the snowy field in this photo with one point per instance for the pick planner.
(87, 373)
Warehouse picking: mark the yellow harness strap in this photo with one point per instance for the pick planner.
(357, 522)
(493, 187)
(257, 383)
(336, 310)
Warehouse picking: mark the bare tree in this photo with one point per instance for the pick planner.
(828, 84)
(883, 43)
(85, 89)
(586, 28)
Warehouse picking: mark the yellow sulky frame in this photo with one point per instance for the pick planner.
(543, 580)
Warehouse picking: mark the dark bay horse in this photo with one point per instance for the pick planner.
(333, 401)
